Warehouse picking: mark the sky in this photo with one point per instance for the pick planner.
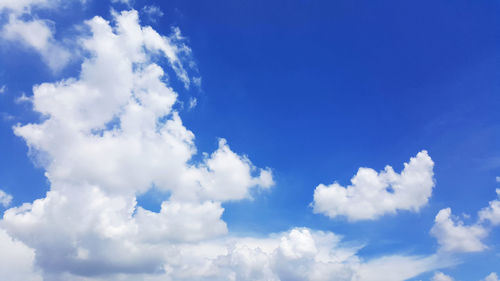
(249, 140)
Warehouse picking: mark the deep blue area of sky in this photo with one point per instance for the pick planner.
(315, 90)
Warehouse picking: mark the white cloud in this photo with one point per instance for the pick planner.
(492, 212)
(152, 12)
(26, 28)
(104, 143)
(397, 268)
(439, 276)
(373, 194)
(170, 224)
(111, 134)
(491, 277)
(453, 236)
(3, 89)
(192, 103)
(197, 82)
(39, 35)
(5, 198)
(16, 260)
(22, 99)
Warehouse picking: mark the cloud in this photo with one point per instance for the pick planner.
(3, 88)
(491, 277)
(38, 35)
(492, 212)
(394, 268)
(197, 82)
(16, 260)
(152, 12)
(129, 3)
(453, 236)
(25, 28)
(192, 103)
(109, 135)
(5, 198)
(112, 133)
(22, 99)
(22, 6)
(439, 276)
(373, 194)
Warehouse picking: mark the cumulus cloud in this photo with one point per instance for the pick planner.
(453, 236)
(5, 198)
(112, 133)
(491, 277)
(373, 194)
(439, 276)
(16, 260)
(492, 212)
(109, 135)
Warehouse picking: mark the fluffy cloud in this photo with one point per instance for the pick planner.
(439, 276)
(109, 135)
(5, 198)
(492, 277)
(373, 194)
(492, 212)
(34, 32)
(16, 260)
(112, 133)
(454, 236)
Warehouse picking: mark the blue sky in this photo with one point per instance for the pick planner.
(309, 91)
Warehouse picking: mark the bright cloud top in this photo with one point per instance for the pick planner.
(373, 194)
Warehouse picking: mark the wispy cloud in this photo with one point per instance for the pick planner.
(5, 199)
